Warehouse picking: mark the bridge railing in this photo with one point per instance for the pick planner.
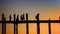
(17, 21)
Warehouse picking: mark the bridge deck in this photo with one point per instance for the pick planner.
(33, 21)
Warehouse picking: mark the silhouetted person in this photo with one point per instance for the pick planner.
(14, 17)
(10, 17)
(17, 19)
(22, 17)
(3, 18)
(37, 17)
(59, 17)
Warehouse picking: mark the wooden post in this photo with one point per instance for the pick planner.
(17, 24)
(3, 24)
(14, 24)
(49, 25)
(38, 26)
(27, 26)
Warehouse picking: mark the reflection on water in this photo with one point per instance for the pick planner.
(0, 28)
(9, 29)
(55, 28)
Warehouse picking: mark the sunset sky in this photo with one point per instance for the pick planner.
(46, 8)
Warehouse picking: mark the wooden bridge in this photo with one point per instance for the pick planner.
(17, 21)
